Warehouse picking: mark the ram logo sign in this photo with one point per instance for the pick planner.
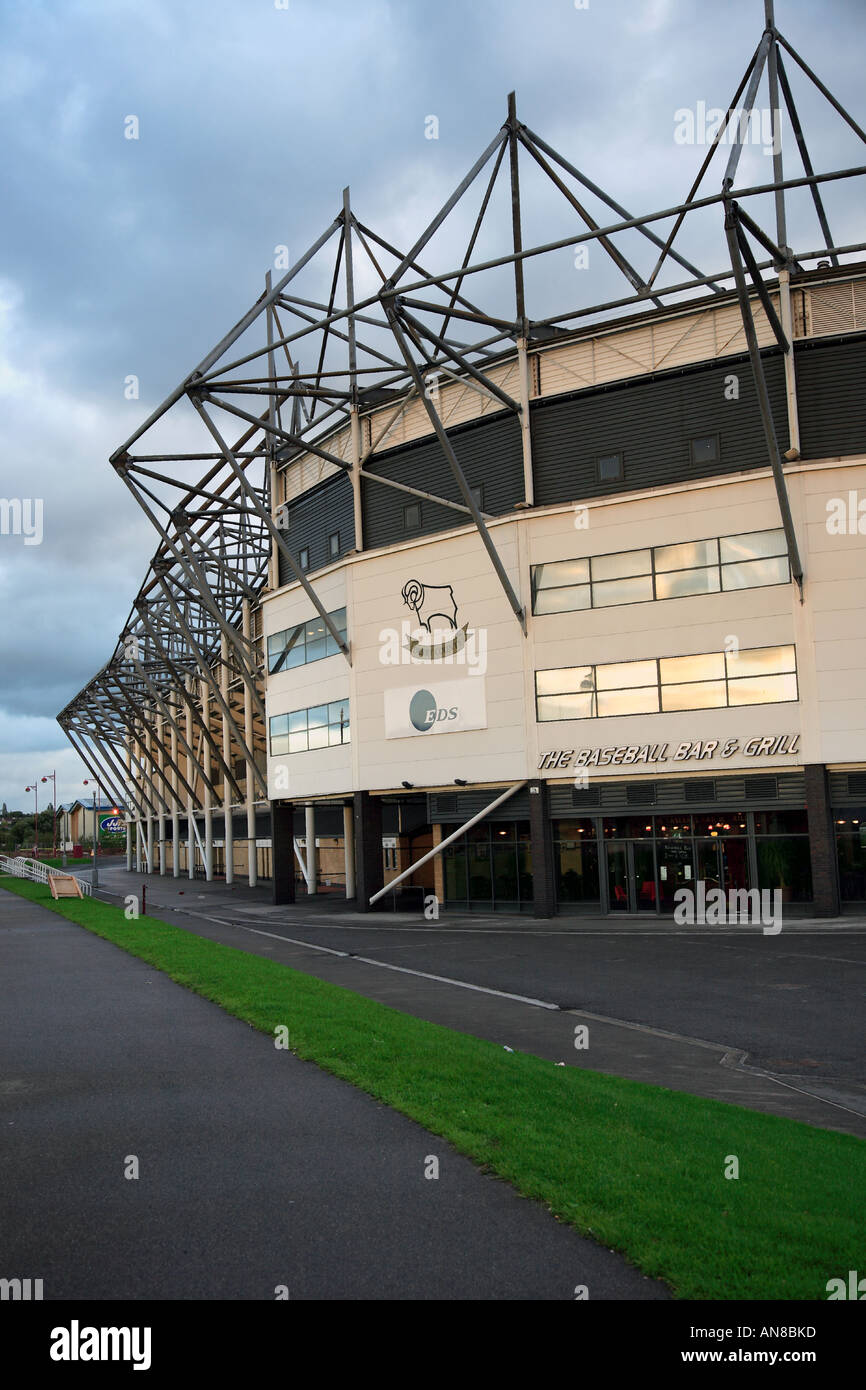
(440, 707)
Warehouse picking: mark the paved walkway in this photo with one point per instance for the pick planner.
(747, 1034)
(255, 1169)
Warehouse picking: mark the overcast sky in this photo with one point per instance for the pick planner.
(125, 257)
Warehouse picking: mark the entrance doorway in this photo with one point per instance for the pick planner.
(631, 878)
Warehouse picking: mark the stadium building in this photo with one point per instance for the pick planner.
(552, 614)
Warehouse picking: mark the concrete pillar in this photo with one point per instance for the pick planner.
(190, 803)
(132, 808)
(369, 868)
(349, 850)
(204, 696)
(822, 842)
(312, 857)
(438, 865)
(252, 858)
(228, 832)
(541, 842)
(175, 815)
(160, 734)
(282, 851)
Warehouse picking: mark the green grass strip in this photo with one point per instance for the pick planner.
(637, 1167)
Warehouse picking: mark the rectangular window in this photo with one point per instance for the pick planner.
(711, 680)
(478, 496)
(681, 570)
(304, 730)
(304, 558)
(705, 449)
(412, 516)
(609, 468)
(334, 545)
(310, 641)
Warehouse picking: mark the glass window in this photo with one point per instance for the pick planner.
(753, 545)
(307, 642)
(621, 674)
(580, 829)
(673, 826)
(334, 544)
(782, 822)
(620, 565)
(705, 449)
(478, 496)
(565, 600)
(759, 661)
(304, 558)
(565, 707)
(559, 572)
(706, 667)
(322, 726)
(639, 590)
(412, 516)
(783, 865)
(721, 823)
(682, 583)
(640, 701)
(686, 556)
(565, 678)
(756, 573)
(696, 695)
(609, 467)
(768, 690)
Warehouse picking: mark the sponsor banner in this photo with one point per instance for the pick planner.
(435, 707)
(112, 825)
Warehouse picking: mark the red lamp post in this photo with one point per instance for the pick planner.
(35, 790)
(52, 777)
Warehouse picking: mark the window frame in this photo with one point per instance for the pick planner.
(614, 454)
(719, 567)
(592, 687)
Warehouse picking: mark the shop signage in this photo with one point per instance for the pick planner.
(436, 707)
(698, 750)
(111, 825)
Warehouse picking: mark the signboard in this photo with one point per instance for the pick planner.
(435, 707)
(692, 751)
(112, 825)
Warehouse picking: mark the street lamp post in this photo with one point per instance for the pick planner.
(94, 876)
(52, 777)
(35, 790)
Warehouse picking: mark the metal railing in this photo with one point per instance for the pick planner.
(20, 867)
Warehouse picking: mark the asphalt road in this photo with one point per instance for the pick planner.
(255, 1169)
(794, 1002)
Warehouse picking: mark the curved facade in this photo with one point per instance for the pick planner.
(470, 608)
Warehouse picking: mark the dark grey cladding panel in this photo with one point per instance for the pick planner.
(848, 788)
(651, 422)
(730, 793)
(831, 399)
(455, 808)
(490, 454)
(314, 517)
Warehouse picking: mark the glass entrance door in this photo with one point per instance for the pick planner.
(618, 878)
(631, 880)
(676, 869)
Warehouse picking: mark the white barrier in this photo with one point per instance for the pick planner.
(20, 867)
